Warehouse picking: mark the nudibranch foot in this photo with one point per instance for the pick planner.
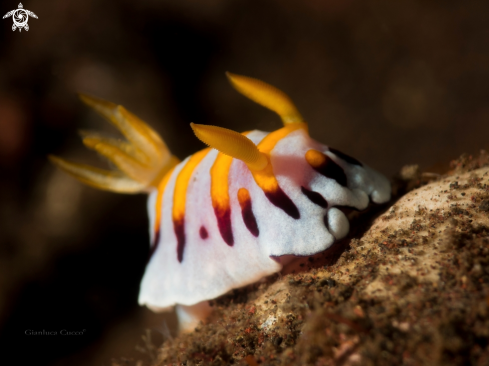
(189, 317)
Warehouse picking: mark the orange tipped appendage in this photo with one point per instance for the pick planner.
(268, 96)
(142, 161)
(231, 143)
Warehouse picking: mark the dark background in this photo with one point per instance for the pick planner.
(388, 82)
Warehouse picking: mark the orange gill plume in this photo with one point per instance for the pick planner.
(142, 160)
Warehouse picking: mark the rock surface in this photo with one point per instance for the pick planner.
(410, 287)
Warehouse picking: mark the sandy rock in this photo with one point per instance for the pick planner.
(412, 287)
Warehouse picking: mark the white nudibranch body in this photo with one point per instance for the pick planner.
(218, 217)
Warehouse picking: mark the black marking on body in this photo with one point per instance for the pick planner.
(345, 157)
(249, 218)
(282, 201)
(203, 232)
(224, 223)
(315, 197)
(332, 170)
(179, 228)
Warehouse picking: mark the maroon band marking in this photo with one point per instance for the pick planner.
(203, 232)
(315, 197)
(223, 217)
(281, 200)
(332, 170)
(249, 218)
(179, 228)
(345, 157)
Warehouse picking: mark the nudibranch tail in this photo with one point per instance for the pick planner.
(268, 96)
(231, 143)
(142, 161)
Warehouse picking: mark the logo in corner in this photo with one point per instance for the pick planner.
(20, 17)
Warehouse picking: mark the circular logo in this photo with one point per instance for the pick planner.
(20, 18)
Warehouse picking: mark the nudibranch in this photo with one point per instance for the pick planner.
(221, 217)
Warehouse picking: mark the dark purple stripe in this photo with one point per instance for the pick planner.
(332, 170)
(203, 233)
(156, 241)
(315, 197)
(248, 217)
(224, 223)
(345, 157)
(179, 228)
(281, 200)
